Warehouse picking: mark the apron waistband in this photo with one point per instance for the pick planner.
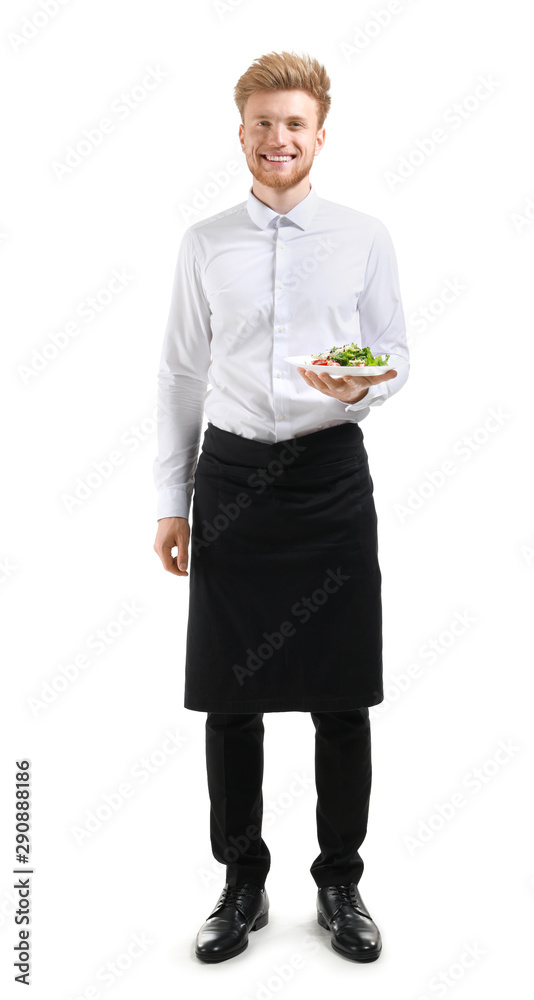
(321, 447)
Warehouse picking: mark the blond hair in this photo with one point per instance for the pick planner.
(285, 71)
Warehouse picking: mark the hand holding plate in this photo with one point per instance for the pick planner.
(348, 388)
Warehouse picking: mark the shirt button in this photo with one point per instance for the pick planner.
(279, 374)
(281, 416)
(280, 284)
(281, 329)
(281, 245)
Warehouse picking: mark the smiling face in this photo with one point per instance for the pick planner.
(280, 123)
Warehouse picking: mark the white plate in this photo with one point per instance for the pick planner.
(305, 361)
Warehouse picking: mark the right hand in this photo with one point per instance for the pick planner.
(173, 531)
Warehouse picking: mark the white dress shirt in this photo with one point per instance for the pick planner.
(252, 287)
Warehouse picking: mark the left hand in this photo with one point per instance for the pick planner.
(347, 388)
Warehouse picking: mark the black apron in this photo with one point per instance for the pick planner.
(285, 610)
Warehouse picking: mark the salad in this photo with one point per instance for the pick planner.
(349, 355)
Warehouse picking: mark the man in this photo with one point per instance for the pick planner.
(284, 598)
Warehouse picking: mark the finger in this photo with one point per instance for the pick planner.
(307, 375)
(321, 381)
(182, 558)
(319, 376)
(170, 562)
(364, 381)
(324, 382)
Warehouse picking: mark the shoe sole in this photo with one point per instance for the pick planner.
(222, 956)
(366, 956)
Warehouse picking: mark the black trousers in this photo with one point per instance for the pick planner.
(234, 759)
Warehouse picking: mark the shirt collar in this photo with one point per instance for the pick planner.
(301, 215)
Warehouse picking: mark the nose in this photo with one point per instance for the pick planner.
(278, 133)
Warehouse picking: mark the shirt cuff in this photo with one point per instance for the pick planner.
(375, 394)
(175, 501)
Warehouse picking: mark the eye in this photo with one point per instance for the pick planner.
(292, 123)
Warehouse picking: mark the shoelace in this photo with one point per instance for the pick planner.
(347, 894)
(231, 894)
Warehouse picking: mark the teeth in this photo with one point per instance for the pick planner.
(279, 159)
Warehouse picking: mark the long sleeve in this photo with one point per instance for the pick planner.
(382, 324)
(182, 384)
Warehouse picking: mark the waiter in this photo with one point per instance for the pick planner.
(285, 585)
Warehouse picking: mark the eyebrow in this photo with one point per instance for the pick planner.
(288, 119)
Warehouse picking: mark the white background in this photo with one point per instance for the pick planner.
(465, 546)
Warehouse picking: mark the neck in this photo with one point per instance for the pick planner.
(281, 200)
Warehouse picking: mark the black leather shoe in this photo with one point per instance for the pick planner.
(225, 932)
(354, 934)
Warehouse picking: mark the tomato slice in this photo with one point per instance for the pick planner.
(329, 363)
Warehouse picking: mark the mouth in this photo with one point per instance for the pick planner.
(278, 159)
